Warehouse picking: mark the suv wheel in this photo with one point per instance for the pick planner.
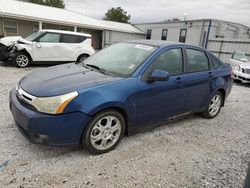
(82, 58)
(21, 59)
(104, 132)
(214, 106)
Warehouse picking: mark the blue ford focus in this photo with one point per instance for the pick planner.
(127, 86)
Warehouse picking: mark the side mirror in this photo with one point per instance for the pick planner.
(243, 60)
(38, 45)
(158, 75)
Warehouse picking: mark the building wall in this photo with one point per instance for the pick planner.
(112, 37)
(224, 48)
(58, 27)
(24, 28)
(197, 30)
(194, 30)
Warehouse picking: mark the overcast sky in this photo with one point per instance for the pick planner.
(160, 10)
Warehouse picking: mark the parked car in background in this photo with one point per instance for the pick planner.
(241, 67)
(50, 46)
(5, 45)
(121, 88)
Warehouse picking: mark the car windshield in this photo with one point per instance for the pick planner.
(120, 59)
(34, 35)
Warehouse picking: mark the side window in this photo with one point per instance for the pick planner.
(164, 34)
(215, 62)
(196, 61)
(72, 38)
(149, 32)
(170, 61)
(50, 38)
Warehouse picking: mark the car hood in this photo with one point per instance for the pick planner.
(7, 40)
(61, 79)
(245, 65)
(23, 41)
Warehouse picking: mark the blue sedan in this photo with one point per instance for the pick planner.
(125, 87)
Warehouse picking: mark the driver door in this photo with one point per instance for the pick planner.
(157, 101)
(47, 48)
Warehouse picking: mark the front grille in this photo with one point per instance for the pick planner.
(24, 96)
(247, 71)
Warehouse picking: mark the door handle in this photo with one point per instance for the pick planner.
(178, 80)
(210, 74)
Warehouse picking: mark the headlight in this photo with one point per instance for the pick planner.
(237, 68)
(53, 105)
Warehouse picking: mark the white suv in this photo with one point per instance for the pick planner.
(51, 46)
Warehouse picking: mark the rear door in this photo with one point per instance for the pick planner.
(71, 46)
(198, 79)
(47, 48)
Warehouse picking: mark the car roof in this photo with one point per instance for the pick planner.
(66, 32)
(161, 43)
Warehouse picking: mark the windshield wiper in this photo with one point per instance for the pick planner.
(96, 67)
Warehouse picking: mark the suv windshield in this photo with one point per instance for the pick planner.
(121, 59)
(34, 35)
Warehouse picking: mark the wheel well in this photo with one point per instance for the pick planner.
(25, 51)
(223, 92)
(82, 55)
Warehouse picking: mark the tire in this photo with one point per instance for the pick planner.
(81, 58)
(100, 136)
(214, 106)
(21, 60)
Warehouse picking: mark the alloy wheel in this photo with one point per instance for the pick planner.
(105, 132)
(214, 105)
(22, 60)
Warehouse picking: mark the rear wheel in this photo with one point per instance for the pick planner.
(82, 58)
(104, 132)
(214, 106)
(21, 59)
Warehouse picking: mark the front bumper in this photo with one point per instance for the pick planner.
(243, 77)
(39, 128)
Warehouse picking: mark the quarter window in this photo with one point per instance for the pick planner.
(196, 61)
(170, 61)
(50, 38)
(10, 26)
(149, 32)
(214, 62)
(164, 34)
(72, 38)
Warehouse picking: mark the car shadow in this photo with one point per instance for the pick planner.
(239, 83)
(7, 64)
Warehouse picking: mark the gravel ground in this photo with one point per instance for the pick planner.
(191, 152)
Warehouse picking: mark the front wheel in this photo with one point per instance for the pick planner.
(214, 106)
(104, 132)
(21, 60)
